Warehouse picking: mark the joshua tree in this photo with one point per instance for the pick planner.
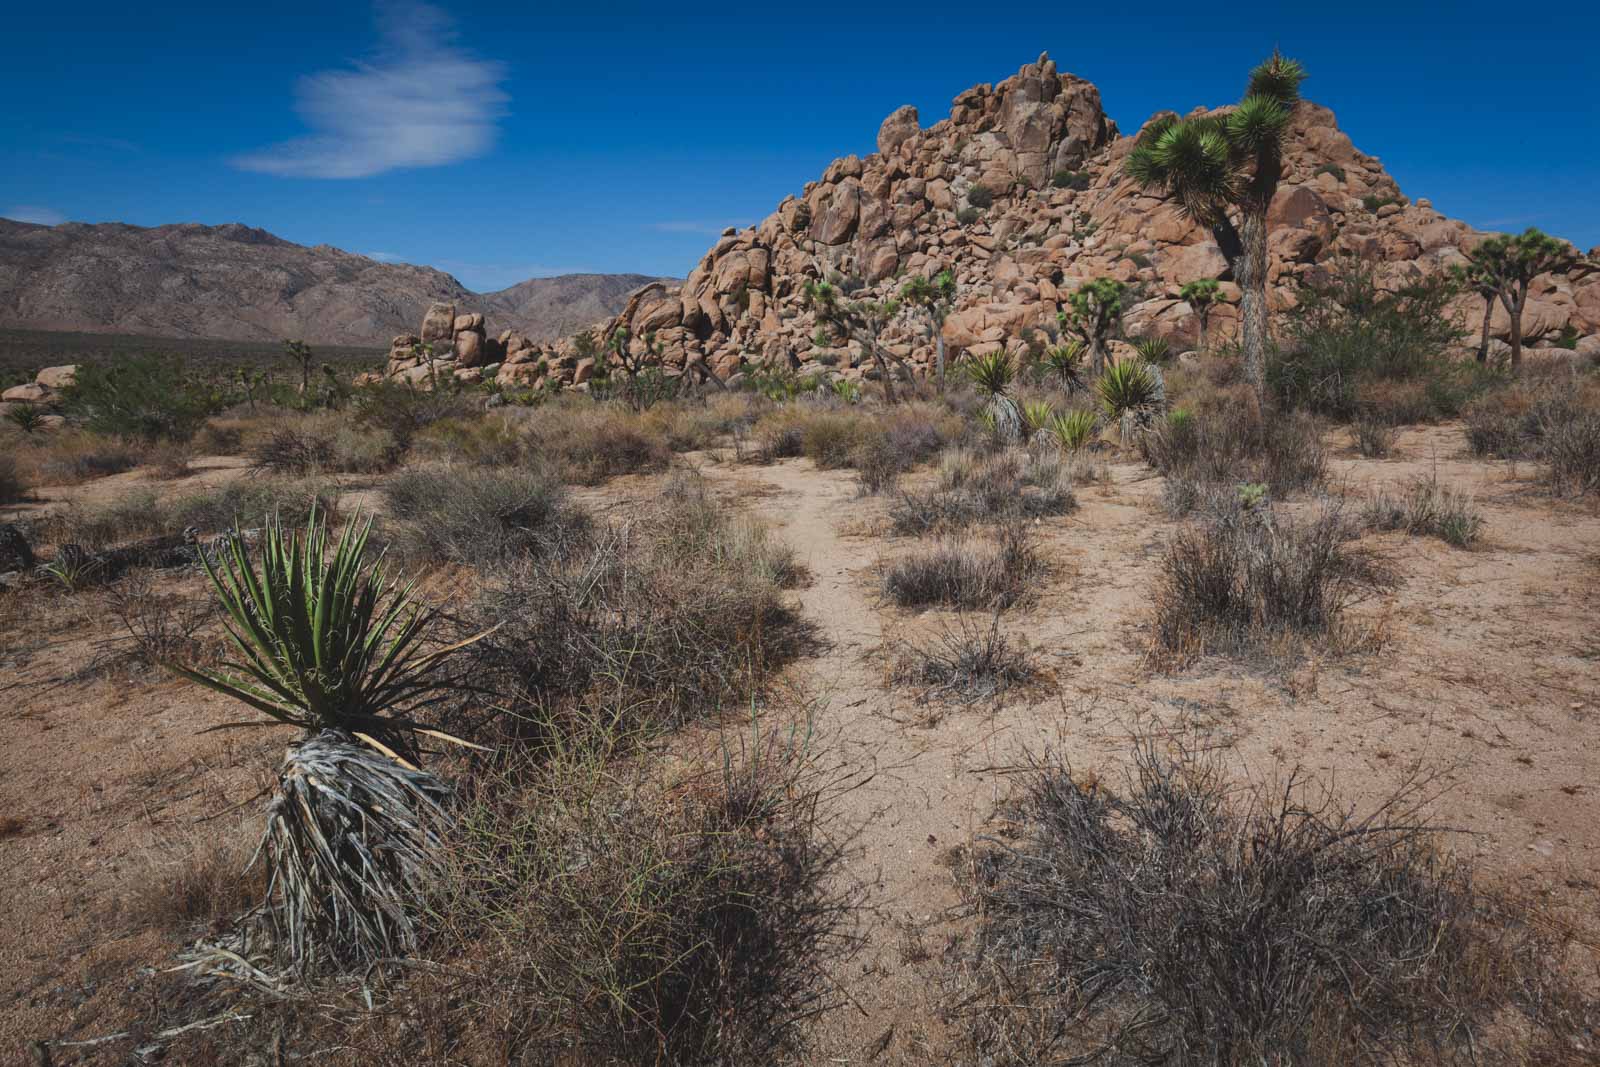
(935, 297)
(1504, 267)
(1472, 277)
(326, 644)
(1096, 310)
(1202, 294)
(1216, 163)
(862, 321)
(300, 355)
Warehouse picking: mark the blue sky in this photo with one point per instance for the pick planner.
(500, 142)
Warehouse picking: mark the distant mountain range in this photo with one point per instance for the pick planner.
(235, 282)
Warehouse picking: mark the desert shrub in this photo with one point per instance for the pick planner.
(900, 439)
(1373, 202)
(1346, 330)
(963, 574)
(477, 515)
(220, 437)
(968, 215)
(1571, 448)
(250, 503)
(586, 443)
(13, 488)
(1426, 509)
(1179, 919)
(690, 426)
(1069, 179)
(147, 397)
(402, 410)
(292, 450)
(679, 610)
(614, 914)
(169, 459)
(830, 439)
(1330, 168)
(974, 488)
(1507, 423)
(980, 196)
(967, 663)
(159, 626)
(27, 417)
(1374, 438)
(1199, 454)
(1245, 577)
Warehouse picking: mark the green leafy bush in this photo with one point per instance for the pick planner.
(1070, 179)
(149, 397)
(980, 196)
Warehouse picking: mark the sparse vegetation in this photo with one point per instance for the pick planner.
(965, 574)
(979, 196)
(478, 515)
(1426, 509)
(998, 488)
(148, 398)
(1178, 916)
(1245, 578)
(968, 663)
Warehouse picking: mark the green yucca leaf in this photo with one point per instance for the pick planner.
(1038, 414)
(324, 642)
(1074, 429)
(1126, 386)
(1065, 361)
(1257, 124)
(992, 374)
(1153, 349)
(1277, 79)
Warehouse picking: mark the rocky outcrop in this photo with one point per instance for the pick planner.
(1062, 212)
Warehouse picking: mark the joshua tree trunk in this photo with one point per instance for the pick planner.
(1097, 356)
(938, 342)
(1515, 302)
(1205, 313)
(883, 368)
(1483, 343)
(1251, 272)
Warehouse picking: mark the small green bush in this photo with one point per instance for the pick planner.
(147, 397)
(1426, 509)
(477, 515)
(968, 215)
(1330, 168)
(980, 196)
(1070, 179)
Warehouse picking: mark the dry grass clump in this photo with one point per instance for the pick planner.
(694, 425)
(586, 443)
(1180, 921)
(676, 613)
(160, 626)
(1426, 509)
(71, 457)
(1374, 438)
(478, 515)
(880, 444)
(965, 664)
(203, 889)
(13, 487)
(142, 513)
(1554, 418)
(998, 487)
(169, 460)
(957, 573)
(323, 444)
(1245, 577)
(1198, 454)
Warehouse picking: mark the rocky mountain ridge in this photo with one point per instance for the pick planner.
(1057, 211)
(236, 282)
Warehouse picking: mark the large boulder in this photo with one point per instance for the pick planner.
(439, 323)
(57, 378)
(899, 127)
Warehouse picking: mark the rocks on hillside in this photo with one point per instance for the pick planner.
(895, 214)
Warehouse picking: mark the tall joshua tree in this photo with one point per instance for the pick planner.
(862, 321)
(1217, 164)
(1202, 294)
(935, 297)
(1474, 277)
(1504, 266)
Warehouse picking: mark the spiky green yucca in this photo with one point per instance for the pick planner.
(1215, 163)
(1074, 429)
(1065, 361)
(1153, 349)
(325, 641)
(26, 417)
(992, 375)
(1128, 386)
(1038, 415)
(328, 645)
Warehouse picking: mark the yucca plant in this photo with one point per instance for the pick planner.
(1127, 387)
(26, 417)
(1153, 349)
(1065, 361)
(328, 644)
(992, 375)
(1073, 430)
(1037, 415)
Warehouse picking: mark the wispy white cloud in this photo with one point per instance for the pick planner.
(419, 101)
(34, 213)
(687, 226)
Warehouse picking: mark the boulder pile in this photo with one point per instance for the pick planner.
(43, 392)
(1020, 193)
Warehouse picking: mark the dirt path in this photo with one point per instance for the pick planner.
(1486, 675)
